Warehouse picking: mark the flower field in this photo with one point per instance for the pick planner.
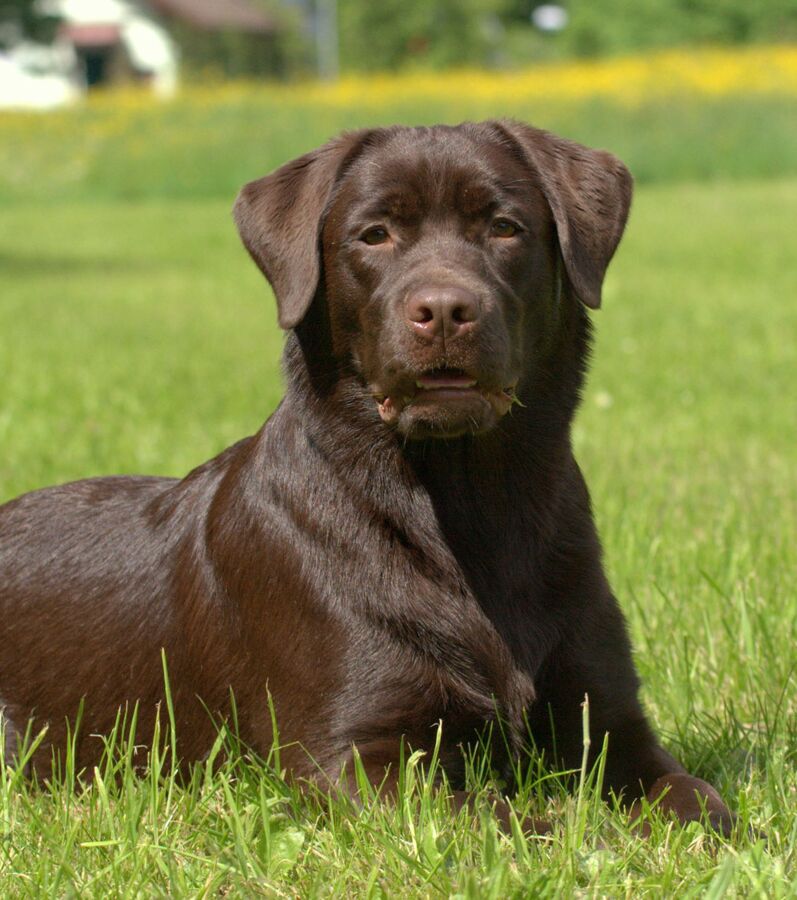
(629, 79)
(678, 115)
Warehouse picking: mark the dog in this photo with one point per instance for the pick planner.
(408, 539)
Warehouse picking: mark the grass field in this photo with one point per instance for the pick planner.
(135, 336)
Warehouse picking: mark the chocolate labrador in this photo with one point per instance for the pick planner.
(408, 539)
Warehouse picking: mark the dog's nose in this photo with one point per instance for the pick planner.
(447, 311)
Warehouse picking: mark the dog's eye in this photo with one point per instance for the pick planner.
(375, 236)
(504, 228)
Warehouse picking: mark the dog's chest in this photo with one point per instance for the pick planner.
(430, 650)
(438, 603)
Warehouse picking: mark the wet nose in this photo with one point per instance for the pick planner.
(447, 311)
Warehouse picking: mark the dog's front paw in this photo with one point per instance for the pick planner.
(691, 799)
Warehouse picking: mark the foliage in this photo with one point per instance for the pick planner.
(395, 33)
(609, 26)
(401, 33)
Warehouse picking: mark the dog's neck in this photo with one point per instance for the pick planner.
(492, 505)
(529, 447)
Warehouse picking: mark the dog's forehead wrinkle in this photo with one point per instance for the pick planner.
(429, 168)
(438, 199)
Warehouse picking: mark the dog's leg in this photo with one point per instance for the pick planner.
(636, 764)
(688, 799)
(501, 809)
(382, 773)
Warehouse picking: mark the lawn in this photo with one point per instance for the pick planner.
(136, 336)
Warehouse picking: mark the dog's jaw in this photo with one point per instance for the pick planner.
(442, 406)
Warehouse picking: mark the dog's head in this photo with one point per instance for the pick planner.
(443, 255)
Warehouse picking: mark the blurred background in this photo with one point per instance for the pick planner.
(191, 97)
(80, 45)
(187, 97)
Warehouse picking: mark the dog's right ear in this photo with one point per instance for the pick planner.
(279, 218)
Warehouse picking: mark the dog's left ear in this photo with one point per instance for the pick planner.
(279, 218)
(589, 192)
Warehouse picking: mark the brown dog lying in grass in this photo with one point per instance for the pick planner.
(408, 539)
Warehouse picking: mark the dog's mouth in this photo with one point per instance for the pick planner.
(438, 391)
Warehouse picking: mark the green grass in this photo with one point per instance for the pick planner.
(135, 336)
(209, 147)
